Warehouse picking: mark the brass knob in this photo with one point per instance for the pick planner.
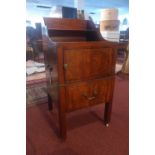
(65, 66)
(89, 97)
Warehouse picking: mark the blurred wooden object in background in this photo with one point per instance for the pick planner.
(125, 68)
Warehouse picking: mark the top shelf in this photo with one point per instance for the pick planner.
(85, 30)
(68, 24)
(77, 28)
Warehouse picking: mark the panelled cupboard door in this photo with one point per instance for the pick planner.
(84, 94)
(83, 64)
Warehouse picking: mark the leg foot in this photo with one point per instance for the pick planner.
(107, 113)
(107, 125)
(62, 125)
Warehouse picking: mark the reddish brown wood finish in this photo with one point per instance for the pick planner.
(79, 73)
(88, 63)
(91, 92)
(68, 24)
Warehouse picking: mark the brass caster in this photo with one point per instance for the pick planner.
(107, 125)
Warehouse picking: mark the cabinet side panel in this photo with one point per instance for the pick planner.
(52, 71)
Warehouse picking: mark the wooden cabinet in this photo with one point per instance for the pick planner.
(80, 67)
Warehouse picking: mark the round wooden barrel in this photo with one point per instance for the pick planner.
(109, 14)
(109, 25)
